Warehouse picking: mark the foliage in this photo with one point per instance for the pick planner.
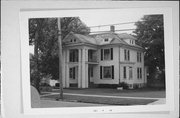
(124, 85)
(43, 35)
(150, 35)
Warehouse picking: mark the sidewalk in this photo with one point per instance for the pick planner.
(160, 101)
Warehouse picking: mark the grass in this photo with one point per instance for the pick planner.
(110, 92)
(154, 93)
(102, 100)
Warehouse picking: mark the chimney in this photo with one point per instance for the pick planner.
(112, 28)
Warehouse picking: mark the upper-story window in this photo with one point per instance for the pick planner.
(126, 55)
(73, 40)
(106, 40)
(107, 54)
(73, 55)
(139, 57)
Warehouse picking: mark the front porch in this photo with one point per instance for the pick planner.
(79, 67)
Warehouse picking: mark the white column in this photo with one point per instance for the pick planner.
(64, 67)
(67, 68)
(83, 69)
(86, 76)
(79, 69)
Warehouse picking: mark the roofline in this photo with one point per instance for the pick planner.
(94, 45)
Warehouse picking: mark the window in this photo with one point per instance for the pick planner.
(124, 72)
(139, 73)
(72, 72)
(107, 54)
(138, 57)
(107, 72)
(126, 55)
(130, 73)
(73, 55)
(106, 40)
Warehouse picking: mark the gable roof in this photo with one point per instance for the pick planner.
(98, 39)
(86, 38)
(126, 36)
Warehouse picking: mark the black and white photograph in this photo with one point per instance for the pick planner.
(97, 59)
(89, 59)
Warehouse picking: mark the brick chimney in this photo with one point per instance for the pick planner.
(112, 28)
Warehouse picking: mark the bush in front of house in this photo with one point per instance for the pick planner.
(45, 87)
(124, 85)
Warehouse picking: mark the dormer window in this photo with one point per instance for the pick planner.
(74, 40)
(106, 40)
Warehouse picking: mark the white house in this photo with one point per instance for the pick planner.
(106, 58)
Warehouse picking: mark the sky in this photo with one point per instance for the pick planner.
(106, 17)
(112, 17)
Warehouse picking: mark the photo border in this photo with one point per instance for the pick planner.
(24, 34)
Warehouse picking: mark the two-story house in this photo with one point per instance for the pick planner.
(106, 58)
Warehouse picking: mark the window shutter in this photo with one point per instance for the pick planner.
(124, 72)
(101, 54)
(74, 69)
(112, 72)
(111, 53)
(100, 72)
(138, 73)
(124, 54)
(128, 55)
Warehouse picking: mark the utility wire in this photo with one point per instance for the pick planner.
(119, 23)
(111, 31)
(112, 24)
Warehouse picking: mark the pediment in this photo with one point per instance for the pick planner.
(71, 38)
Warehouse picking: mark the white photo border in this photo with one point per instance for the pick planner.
(25, 68)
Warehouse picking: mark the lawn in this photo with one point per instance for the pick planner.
(149, 93)
(154, 93)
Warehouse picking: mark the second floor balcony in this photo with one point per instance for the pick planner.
(92, 56)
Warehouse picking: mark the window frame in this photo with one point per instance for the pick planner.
(110, 54)
(73, 55)
(124, 72)
(126, 54)
(110, 67)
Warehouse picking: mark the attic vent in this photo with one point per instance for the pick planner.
(106, 39)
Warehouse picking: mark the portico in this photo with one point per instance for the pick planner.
(75, 69)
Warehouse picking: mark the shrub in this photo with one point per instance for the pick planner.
(124, 85)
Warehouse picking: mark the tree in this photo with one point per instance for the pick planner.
(150, 35)
(43, 34)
